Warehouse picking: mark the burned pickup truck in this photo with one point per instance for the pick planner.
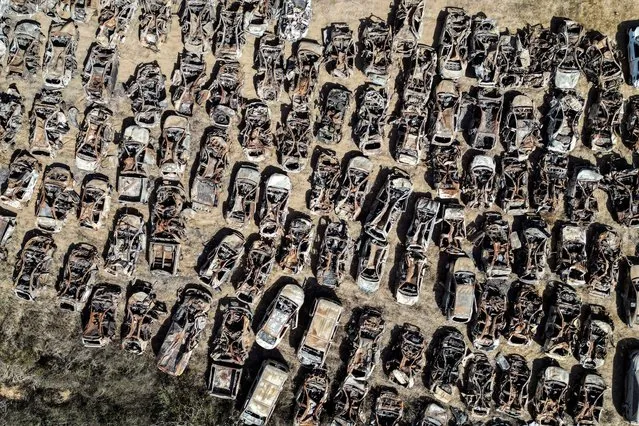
(168, 228)
(230, 350)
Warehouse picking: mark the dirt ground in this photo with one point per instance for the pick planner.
(47, 377)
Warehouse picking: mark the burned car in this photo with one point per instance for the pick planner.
(447, 352)
(355, 186)
(368, 131)
(453, 230)
(551, 178)
(595, 338)
(33, 266)
(348, 402)
(496, 254)
(390, 203)
(562, 121)
(581, 203)
(270, 69)
(229, 34)
(23, 53)
(377, 42)
(225, 89)
(174, 146)
(603, 124)
(94, 138)
(339, 50)
(257, 269)
(572, 260)
(57, 199)
(311, 398)
(223, 260)
(317, 339)
(168, 228)
(7, 226)
(411, 132)
(365, 344)
(423, 222)
(521, 129)
(332, 115)
(444, 108)
(478, 384)
(407, 26)
(482, 56)
(453, 44)
(196, 22)
(259, 15)
(187, 82)
(295, 252)
(524, 315)
(412, 271)
(135, 153)
(240, 207)
(589, 400)
(256, 136)
(388, 409)
(281, 315)
(274, 208)
(302, 75)
(126, 242)
(408, 356)
(142, 310)
(59, 63)
(444, 170)
(459, 294)
(603, 262)
(22, 178)
(148, 94)
(514, 185)
(630, 127)
(335, 254)
(230, 350)
(114, 19)
(490, 321)
(155, 23)
(434, 415)
(513, 382)
(11, 110)
(418, 76)
(549, 401)
(479, 182)
(324, 183)
(294, 137)
(533, 255)
(371, 265)
(294, 19)
(47, 123)
(623, 192)
(78, 277)
(210, 168)
(95, 201)
(100, 73)
(483, 115)
(183, 336)
(568, 53)
(562, 323)
(98, 328)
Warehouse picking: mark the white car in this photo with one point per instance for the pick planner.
(633, 55)
(262, 399)
(282, 312)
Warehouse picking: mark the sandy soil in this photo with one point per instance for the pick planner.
(64, 330)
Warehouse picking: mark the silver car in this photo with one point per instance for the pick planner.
(631, 403)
